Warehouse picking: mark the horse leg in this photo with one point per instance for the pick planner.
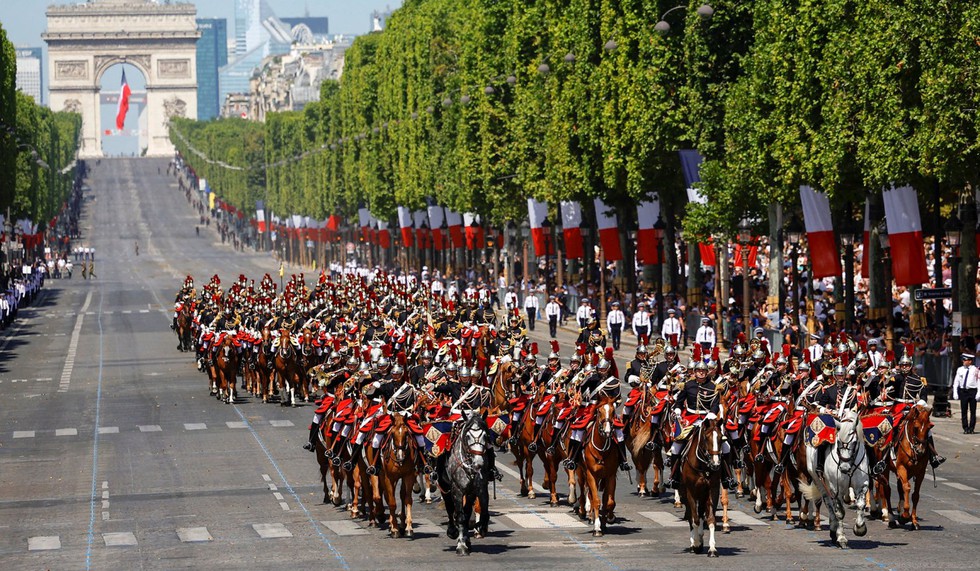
(710, 507)
(677, 499)
(610, 502)
(725, 524)
(905, 489)
(860, 527)
(389, 490)
(463, 514)
(697, 532)
(407, 508)
(787, 497)
(529, 472)
(596, 504)
(915, 500)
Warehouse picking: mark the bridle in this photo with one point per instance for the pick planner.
(708, 459)
(848, 449)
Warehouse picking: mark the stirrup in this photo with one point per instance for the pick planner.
(779, 468)
(730, 483)
(879, 468)
(550, 451)
(936, 461)
(759, 458)
(651, 446)
(670, 483)
(625, 466)
(348, 466)
(569, 464)
(308, 446)
(335, 461)
(532, 447)
(739, 463)
(372, 470)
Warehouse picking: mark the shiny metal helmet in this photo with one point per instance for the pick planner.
(397, 370)
(352, 361)
(383, 362)
(603, 365)
(840, 371)
(803, 367)
(452, 366)
(700, 366)
(464, 372)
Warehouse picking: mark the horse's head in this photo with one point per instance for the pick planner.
(917, 425)
(711, 442)
(400, 439)
(506, 373)
(604, 418)
(848, 441)
(475, 438)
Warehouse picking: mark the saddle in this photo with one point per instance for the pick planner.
(820, 429)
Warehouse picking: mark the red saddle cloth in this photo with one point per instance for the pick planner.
(384, 422)
(583, 416)
(794, 422)
(544, 407)
(634, 397)
(518, 403)
(324, 404)
(878, 426)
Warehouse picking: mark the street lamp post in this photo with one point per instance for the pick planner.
(658, 232)
(954, 233)
(525, 235)
(847, 240)
(744, 237)
(717, 242)
(794, 233)
(889, 307)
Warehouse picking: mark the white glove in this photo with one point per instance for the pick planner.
(677, 412)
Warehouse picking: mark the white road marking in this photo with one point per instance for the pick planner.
(514, 474)
(278, 496)
(959, 486)
(119, 539)
(266, 478)
(66, 432)
(345, 528)
(284, 506)
(959, 516)
(665, 519)
(108, 430)
(127, 311)
(43, 543)
(23, 434)
(281, 423)
(193, 534)
(742, 518)
(541, 520)
(144, 311)
(73, 347)
(195, 426)
(235, 424)
(150, 428)
(271, 530)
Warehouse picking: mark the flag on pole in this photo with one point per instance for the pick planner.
(707, 251)
(455, 222)
(905, 236)
(123, 108)
(405, 223)
(384, 236)
(824, 254)
(474, 231)
(436, 215)
(536, 213)
(691, 165)
(647, 214)
(605, 218)
(421, 219)
(571, 224)
(260, 215)
(364, 220)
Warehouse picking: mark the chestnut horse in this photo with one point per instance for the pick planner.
(185, 332)
(700, 482)
(911, 461)
(286, 365)
(598, 469)
(225, 368)
(398, 454)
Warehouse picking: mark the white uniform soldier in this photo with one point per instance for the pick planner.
(584, 313)
(615, 321)
(531, 306)
(672, 328)
(641, 321)
(553, 312)
(510, 300)
(705, 336)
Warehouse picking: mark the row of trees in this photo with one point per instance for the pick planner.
(36, 146)
(482, 104)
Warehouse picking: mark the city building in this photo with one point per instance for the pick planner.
(258, 34)
(29, 78)
(308, 29)
(212, 54)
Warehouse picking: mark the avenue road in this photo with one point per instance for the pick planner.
(113, 456)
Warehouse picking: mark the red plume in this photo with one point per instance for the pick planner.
(741, 338)
(715, 353)
(386, 350)
(909, 349)
(428, 344)
(696, 353)
(644, 339)
(336, 344)
(581, 349)
(863, 344)
(366, 354)
(554, 346)
(806, 356)
(402, 359)
(609, 354)
(534, 348)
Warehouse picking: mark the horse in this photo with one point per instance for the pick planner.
(286, 364)
(264, 366)
(645, 440)
(185, 333)
(556, 441)
(598, 469)
(526, 447)
(911, 461)
(333, 492)
(464, 478)
(700, 482)
(398, 455)
(846, 468)
(502, 389)
(225, 368)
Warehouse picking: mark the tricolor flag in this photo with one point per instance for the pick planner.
(905, 236)
(536, 213)
(691, 165)
(364, 219)
(605, 218)
(455, 222)
(474, 231)
(260, 215)
(571, 224)
(124, 93)
(707, 251)
(384, 236)
(647, 214)
(421, 218)
(436, 215)
(405, 223)
(824, 254)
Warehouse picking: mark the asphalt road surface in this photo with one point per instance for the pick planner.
(113, 456)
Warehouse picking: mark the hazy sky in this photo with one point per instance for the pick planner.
(24, 19)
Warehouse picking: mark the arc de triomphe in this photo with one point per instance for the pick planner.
(84, 40)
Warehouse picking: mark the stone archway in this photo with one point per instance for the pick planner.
(84, 40)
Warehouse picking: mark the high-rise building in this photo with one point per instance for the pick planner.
(29, 78)
(258, 34)
(212, 54)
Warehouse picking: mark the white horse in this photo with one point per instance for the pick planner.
(845, 469)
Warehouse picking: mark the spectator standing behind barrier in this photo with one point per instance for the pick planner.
(615, 321)
(965, 386)
(531, 306)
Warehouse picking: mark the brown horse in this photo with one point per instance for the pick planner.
(645, 440)
(333, 490)
(700, 482)
(911, 461)
(287, 367)
(225, 369)
(185, 329)
(398, 455)
(502, 389)
(598, 469)
(264, 367)
(557, 442)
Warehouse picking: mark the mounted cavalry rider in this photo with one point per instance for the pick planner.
(186, 294)
(698, 399)
(601, 384)
(467, 397)
(398, 397)
(835, 396)
(526, 381)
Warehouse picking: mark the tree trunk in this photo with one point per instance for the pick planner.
(775, 263)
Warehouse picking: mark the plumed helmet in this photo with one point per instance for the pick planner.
(700, 366)
(839, 371)
(452, 366)
(603, 364)
(803, 367)
(397, 369)
(465, 372)
(905, 360)
(352, 361)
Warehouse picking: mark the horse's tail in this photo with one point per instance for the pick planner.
(809, 490)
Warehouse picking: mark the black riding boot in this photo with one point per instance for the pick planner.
(372, 469)
(173, 325)
(821, 459)
(674, 462)
(935, 460)
(780, 466)
(729, 481)
(574, 447)
(624, 464)
(311, 445)
(355, 455)
(491, 459)
(515, 430)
